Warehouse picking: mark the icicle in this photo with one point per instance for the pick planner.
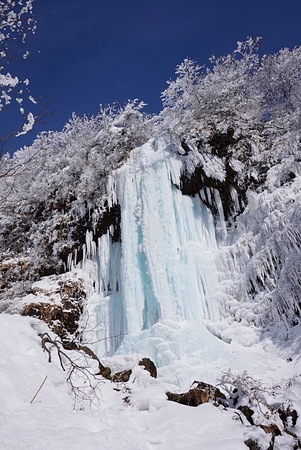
(90, 245)
(70, 262)
(111, 191)
(222, 222)
(235, 200)
(203, 195)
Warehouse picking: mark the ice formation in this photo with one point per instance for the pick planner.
(167, 289)
(163, 274)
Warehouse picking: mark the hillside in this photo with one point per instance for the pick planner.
(173, 237)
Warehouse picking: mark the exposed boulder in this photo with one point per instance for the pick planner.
(121, 377)
(149, 366)
(201, 393)
(194, 397)
(252, 444)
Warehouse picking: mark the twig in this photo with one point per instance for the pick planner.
(39, 389)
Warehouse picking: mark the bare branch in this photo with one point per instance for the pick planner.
(84, 382)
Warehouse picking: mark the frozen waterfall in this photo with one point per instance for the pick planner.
(162, 275)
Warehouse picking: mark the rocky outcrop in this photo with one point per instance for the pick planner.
(201, 393)
(78, 227)
(266, 420)
(234, 153)
(122, 376)
(62, 317)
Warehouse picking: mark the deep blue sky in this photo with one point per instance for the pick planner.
(95, 52)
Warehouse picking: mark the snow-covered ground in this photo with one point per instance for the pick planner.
(50, 422)
(53, 421)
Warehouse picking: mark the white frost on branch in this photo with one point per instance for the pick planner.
(28, 125)
(16, 22)
(8, 80)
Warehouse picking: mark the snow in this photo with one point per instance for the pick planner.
(146, 421)
(51, 422)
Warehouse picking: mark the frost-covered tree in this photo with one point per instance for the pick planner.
(238, 115)
(280, 81)
(216, 96)
(56, 189)
(16, 22)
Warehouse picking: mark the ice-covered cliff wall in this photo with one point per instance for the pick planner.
(178, 283)
(163, 272)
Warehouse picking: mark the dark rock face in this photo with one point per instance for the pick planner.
(192, 185)
(222, 142)
(149, 366)
(202, 393)
(71, 232)
(58, 232)
(79, 227)
(224, 145)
